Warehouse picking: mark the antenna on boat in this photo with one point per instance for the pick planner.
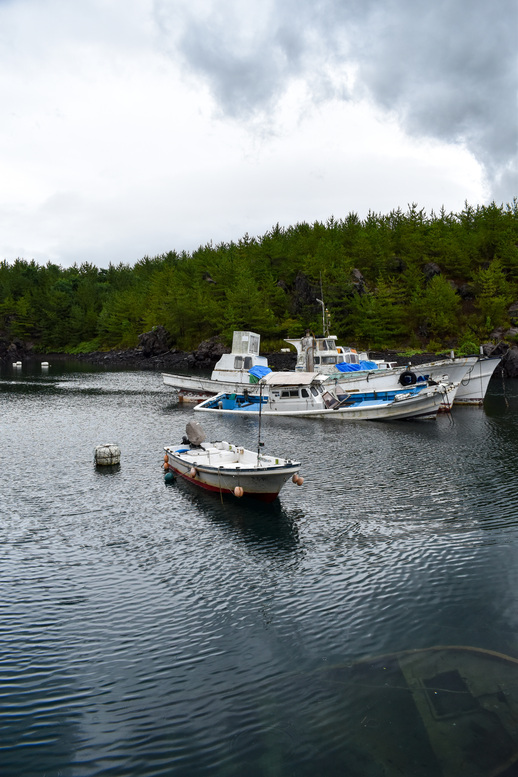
(325, 319)
(325, 311)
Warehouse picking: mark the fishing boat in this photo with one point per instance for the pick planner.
(228, 469)
(306, 395)
(356, 370)
(231, 372)
(390, 379)
(473, 373)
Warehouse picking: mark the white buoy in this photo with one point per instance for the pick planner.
(108, 454)
(44, 365)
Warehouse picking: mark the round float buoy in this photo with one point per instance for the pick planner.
(166, 458)
(299, 481)
(107, 455)
(238, 491)
(192, 472)
(295, 478)
(168, 477)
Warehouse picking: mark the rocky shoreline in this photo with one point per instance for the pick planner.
(152, 354)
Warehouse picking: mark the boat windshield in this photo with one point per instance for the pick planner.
(243, 362)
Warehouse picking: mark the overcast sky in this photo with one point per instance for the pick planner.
(134, 127)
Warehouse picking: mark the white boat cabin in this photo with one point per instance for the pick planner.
(234, 366)
(321, 354)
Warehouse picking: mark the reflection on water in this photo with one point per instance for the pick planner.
(265, 527)
(157, 629)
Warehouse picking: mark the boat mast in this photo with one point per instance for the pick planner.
(259, 443)
(325, 311)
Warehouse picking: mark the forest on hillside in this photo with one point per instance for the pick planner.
(405, 280)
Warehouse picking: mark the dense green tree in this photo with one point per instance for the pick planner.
(271, 284)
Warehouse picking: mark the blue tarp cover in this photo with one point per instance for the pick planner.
(344, 367)
(258, 371)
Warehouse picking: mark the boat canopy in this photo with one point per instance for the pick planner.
(291, 378)
(363, 365)
(257, 371)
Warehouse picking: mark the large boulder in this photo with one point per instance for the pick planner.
(13, 349)
(510, 363)
(358, 281)
(209, 351)
(430, 270)
(303, 294)
(155, 342)
(513, 313)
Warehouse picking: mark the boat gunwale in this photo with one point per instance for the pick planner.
(278, 469)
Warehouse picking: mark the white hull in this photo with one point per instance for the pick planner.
(472, 372)
(425, 404)
(446, 371)
(225, 467)
(207, 386)
(473, 386)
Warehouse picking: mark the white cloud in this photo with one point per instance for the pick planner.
(112, 147)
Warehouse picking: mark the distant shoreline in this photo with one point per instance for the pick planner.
(188, 360)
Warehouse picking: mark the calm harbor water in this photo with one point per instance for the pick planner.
(151, 629)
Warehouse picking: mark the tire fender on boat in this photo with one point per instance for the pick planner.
(408, 378)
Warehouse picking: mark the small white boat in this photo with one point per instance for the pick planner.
(228, 469)
(305, 395)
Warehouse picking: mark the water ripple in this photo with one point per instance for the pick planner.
(152, 629)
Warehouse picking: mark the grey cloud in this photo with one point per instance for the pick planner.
(246, 68)
(448, 69)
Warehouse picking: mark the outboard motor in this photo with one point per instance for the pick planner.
(195, 434)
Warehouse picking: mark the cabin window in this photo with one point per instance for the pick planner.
(314, 391)
(328, 359)
(288, 393)
(317, 359)
(248, 362)
(304, 393)
(254, 344)
(238, 362)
